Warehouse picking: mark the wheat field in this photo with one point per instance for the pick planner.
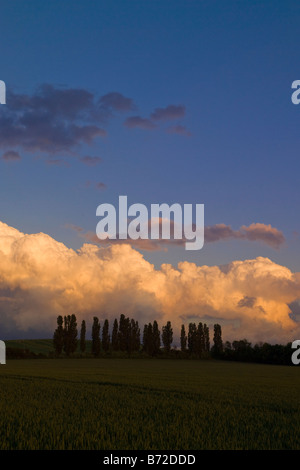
(150, 404)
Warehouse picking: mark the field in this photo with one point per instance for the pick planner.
(39, 346)
(148, 404)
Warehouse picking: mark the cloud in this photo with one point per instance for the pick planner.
(90, 161)
(101, 186)
(247, 302)
(41, 278)
(57, 162)
(168, 113)
(54, 120)
(11, 156)
(117, 102)
(139, 122)
(50, 120)
(179, 130)
(258, 232)
(76, 228)
(266, 234)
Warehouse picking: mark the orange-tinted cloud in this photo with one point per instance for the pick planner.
(41, 278)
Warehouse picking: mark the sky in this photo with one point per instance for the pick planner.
(165, 102)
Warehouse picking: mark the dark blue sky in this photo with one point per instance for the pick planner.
(234, 147)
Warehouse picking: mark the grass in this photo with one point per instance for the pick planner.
(148, 404)
(42, 346)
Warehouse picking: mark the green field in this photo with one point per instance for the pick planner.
(148, 404)
(39, 346)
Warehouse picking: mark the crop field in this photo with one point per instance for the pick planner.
(150, 404)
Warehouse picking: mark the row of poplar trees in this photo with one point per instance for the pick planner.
(126, 336)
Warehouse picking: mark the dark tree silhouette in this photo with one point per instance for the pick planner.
(218, 343)
(199, 340)
(58, 337)
(135, 335)
(156, 338)
(151, 339)
(167, 336)
(123, 333)
(146, 338)
(206, 338)
(192, 338)
(105, 336)
(96, 343)
(115, 336)
(82, 336)
(70, 334)
(183, 339)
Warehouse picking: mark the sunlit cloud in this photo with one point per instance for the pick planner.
(41, 278)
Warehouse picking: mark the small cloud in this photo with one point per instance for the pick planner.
(265, 233)
(11, 156)
(90, 161)
(218, 232)
(116, 101)
(168, 113)
(246, 301)
(100, 186)
(57, 162)
(76, 228)
(179, 130)
(139, 122)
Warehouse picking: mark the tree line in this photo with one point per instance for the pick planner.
(126, 336)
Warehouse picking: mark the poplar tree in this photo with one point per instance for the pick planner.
(167, 336)
(218, 343)
(199, 340)
(82, 337)
(135, 335)
(70, 334)
(123, 333)
(115, 336)
(146, 338)
(183, 339)
(206, 338)
(105, 336)
(58, 337)
(96, 343)
(156, 338)
(192, 337)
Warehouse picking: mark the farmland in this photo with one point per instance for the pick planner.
(148, 404)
